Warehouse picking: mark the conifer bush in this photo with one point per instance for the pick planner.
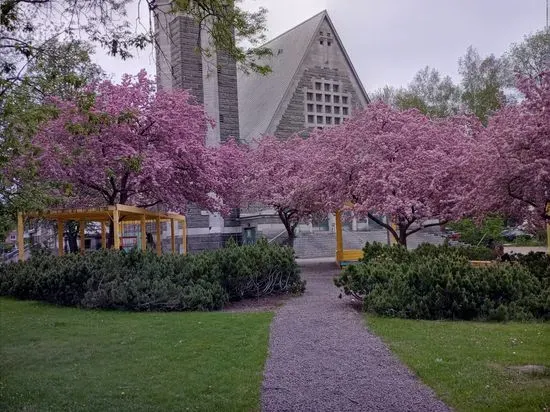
(142, 281)
(438, 282)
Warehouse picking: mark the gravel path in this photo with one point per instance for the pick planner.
(323, 358)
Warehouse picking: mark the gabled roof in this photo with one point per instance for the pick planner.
(261, 95)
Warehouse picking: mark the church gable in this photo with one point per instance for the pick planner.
(325, 89)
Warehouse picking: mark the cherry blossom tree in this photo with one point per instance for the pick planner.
(124, 143)
(512, 161)
(277, 176)
(384, 161)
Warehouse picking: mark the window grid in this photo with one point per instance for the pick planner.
(330, 99)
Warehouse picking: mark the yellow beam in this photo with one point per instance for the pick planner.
(60, 237)
(20, 236)
(184, 236)
(172, 236)
(103, 236)
(143, 234)
(116, 233)
(159, 246)
(339, 237)
(81, 227)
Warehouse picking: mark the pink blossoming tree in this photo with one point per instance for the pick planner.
(512, 162)
(278, 176)
(124, 143)
(397, 163)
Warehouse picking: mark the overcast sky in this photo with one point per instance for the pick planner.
(390, 40)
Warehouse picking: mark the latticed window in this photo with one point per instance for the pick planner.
(330, 98)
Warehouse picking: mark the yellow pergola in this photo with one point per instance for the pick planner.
(118, 214)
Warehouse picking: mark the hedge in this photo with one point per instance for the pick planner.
(142, 281)
(439, 283)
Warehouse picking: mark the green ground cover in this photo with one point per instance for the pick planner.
(471, 365)
(61, 359)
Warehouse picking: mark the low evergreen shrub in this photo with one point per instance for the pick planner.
(143, 281)
(438, 282)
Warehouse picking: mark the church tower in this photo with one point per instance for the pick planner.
(212, 79)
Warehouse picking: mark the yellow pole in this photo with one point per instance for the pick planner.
(172, 236)
(81, 226)
(143, 234)
(184, 236)
(116, 228)
(60, 229)
(159, 246)
(20, 236)
(339, 238)
(394, 227)
(103, 235)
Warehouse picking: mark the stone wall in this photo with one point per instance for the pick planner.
(186, 60)
(294, 118)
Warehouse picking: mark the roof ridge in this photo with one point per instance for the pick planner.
(295, 27)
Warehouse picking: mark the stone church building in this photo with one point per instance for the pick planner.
(312, 84)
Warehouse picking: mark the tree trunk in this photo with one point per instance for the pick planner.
(72, 235)
(402, 235)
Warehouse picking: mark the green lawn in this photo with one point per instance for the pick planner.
(467, 363)
(63, 359)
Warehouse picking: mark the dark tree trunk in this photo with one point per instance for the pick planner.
(72, 235)
(290, 226)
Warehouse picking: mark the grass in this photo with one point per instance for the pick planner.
(62, 359)
(467, 363)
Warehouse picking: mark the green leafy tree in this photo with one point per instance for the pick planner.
(29, 27)
(430, 92)
(483, 81)
(530, 57)
(60, 72)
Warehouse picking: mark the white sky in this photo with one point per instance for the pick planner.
(390, 40)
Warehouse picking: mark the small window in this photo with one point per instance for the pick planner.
(317, 86)
(320, 108)
(327, 87)
(328, 120)
(327, 98)
(321, 42)
(329, 43)
(328, 109)
(336, 120)
(336, 99)
(310, 118)
(345, 111)
(336, 109)
(310, 96)
(321, 33)
(320, 119)
(221, 118)
(310, 107)
(328, 34)
(219, 69)
(319, 97)
(335, 88)
(345, 99)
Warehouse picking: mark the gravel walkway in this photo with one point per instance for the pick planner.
(323, 358)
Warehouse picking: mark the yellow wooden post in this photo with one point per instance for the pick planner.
(394, 227)
(184, 236)
(159, 245)
(60, 237)
(20, 236)
(143, 234)
(339, 238)
(116, 229)
(103, 235)
(172, 236)
(81, 227)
